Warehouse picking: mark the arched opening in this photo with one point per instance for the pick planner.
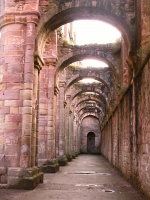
(52, 21)
(90, 142)
(94, 32)
(90, 133)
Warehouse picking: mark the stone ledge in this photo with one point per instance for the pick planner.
(4, 186)
(24, 178)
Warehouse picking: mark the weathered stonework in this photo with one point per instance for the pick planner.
(24, 178)
(90, 124)
(49, 166)
(47, 117)
(125, 140)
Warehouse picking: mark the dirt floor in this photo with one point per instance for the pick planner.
(88, 177)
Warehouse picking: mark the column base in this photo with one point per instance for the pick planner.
(77, 154)
(69, 158)
(24, 178)
(73, 156)
(49, 166)
(62, 160)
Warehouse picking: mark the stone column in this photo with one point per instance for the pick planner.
(38, 63)
(47, 160)
(28, 139)
(68, 152)
(11, 70)
(71, 134)
(43, 116)
(76, 137)
(51, 142)
(62, 146)
(56, 119)
(76, 134)
(17, 99)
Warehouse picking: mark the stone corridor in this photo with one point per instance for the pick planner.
(87, 177)
(49, 114)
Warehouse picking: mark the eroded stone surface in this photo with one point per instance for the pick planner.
(42, 104)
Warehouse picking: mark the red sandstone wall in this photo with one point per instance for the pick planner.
(90, 124)
(143, 127)
(126, 139)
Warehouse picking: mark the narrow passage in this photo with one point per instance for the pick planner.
(88, 177)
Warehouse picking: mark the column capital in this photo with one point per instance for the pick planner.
(70, 112)
(73, 105)
(51, 61)
(19, 17)
(38, 62)
(68, 96)
(62, 84)
(56, 90)
(65, 103)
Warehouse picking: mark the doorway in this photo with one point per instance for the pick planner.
(91, 142)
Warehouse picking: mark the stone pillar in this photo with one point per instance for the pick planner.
(17, 99)
(43, 116)
(79, 135)
(38, 63)
(28, 98)
(62, 140)
(28, 154)
(76, 134)
(56, 119)
(76, 137)
(47, 160)
(71, 133)
(68, 152)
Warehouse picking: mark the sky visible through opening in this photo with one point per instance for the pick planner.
(93, 63)
(89, 80)
(94, 32)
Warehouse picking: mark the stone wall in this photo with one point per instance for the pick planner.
(143, 127)
(90, 124)
(0, 7)
(125, 138)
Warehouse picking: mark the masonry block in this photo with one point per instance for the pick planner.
(24, 178)
(69, 157)
(49, 166)
(4, 110)
(13, 118)
(62, 160)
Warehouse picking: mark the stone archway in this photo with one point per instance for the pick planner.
(90, 134)
(91, 142)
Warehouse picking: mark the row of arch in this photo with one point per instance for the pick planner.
(83, 100)
(54, 101)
